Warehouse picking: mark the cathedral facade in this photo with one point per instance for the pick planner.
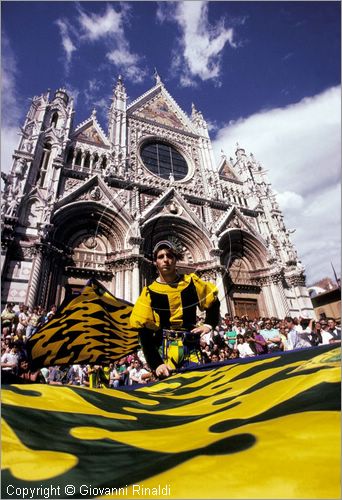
(81, 203)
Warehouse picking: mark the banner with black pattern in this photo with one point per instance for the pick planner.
(266, 428)
(91, 328)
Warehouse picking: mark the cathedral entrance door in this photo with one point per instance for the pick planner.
(246, 307)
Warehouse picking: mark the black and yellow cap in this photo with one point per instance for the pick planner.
(174, 247)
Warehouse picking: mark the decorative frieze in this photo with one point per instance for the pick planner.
(135, 241)
(124, 264)
(296, 280)
(71, 184)
(29, 252)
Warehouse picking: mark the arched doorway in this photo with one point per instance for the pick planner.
(92, 236)
(244, 260)
(194, 243)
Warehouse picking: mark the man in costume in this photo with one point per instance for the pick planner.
(165, 312)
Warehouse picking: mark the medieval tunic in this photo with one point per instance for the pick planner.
(172, 306)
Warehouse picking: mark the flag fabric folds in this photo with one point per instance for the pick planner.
(91, 328)
(267, 428)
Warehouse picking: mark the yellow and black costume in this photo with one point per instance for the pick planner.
(172, 306)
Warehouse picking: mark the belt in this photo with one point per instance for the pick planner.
(173, 334)
(185, 336)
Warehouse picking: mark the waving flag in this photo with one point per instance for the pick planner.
(92, 328)
(266, 428)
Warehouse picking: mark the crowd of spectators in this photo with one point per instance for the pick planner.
(241, 337)
(235, 337)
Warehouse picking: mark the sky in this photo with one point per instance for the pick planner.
(264, 74)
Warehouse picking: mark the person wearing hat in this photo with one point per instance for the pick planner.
(167, 309)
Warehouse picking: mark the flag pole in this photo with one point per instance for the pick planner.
(338, 281)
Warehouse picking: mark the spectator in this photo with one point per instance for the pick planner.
(222, 355)
(259, 342)
(51, 313)
(28, 376)
(8, 319)
(22, 320)
(45, 374)
(32, 323)
(243, 347)
(230, 337)
(271, 335)
(114, 378)
(237, 328)
(74, 375)
(10, 360)
(214, 358)
(228, 320)
(295, 339)
(334, 331)
(234, 354)
(206, 353)
(84, 381)
(326, 336)
(283, 332)
(316, 337)
(55, 375)
(136, 373)
(122, 368)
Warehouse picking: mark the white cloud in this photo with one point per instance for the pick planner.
(67, 43)
(91, 91)
(108, 28)
(122, 56)
(10, 105)
(127, 63)
(290, 201)
(99, 26)
(200, 45)
(9, 142)
(111, 28)
(73, 92)
(300, 146)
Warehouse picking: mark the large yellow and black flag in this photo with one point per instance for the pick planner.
(90, 328)
(265, 428)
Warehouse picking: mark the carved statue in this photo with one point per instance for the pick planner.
(90, 241)
(97, 164)
(12, 207)
(236, 222)
(96, 193)
(46, 212)
(27, 144)
(20, 167)
(18, 174)
(292, 254)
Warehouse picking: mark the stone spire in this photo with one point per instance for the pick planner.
(119, 90)
(117, 124)
(157, 77)
(239, 152)
(198, 120)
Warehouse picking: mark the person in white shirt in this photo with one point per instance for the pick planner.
(326, 337)
(334, 331)
(10, 360)
(243, 347)
(136, 373)
(296, 340)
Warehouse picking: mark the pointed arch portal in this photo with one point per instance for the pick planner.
(244, 260)
(194, 242)
(90, 236)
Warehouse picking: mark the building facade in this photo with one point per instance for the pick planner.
(79, 202)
